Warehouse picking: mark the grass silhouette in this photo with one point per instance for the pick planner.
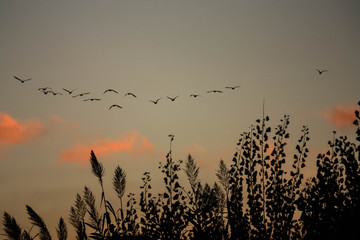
(255, 197)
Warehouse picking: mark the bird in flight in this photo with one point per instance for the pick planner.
(131, 94)
(21, 80)
(172, 99)
(155, 102)
(321, 71)
(195, 95)
(81, 94)
(44, 89)
(92, 99)
(114, 105)
(214, 91)
(54, 93)
(68, 91)
(110, 90)
(232, 88)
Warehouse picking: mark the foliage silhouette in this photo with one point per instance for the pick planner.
(256, 197)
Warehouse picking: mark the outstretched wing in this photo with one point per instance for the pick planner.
(67, 90)
(115, 105)
(17, 78)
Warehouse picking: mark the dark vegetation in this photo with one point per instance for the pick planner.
(255, 198)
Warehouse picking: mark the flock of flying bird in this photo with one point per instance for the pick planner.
(47, 90)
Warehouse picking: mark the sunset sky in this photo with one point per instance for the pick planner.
(155, 49)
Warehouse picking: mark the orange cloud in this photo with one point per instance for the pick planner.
(13, 131)
(341, 117)
(57, 122)
(132, 143)
(195, 149)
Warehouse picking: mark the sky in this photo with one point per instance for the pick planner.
(159, 49)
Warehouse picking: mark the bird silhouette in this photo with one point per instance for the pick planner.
(214, 91)
(81, 94)
(172, 99)
(114, 105)
(131, 94)
(321, 71)
(195, 95)
(44, 89)
(232, 88)
(54, 93)
(155, 102)
(92, 99)
(110, 90)
(21, 80)
(68, 91)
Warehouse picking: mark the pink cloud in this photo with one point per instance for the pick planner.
(57, 122)
(339, 116)
(132, 143)
(195, 148)
(196, 151)
(14, 131)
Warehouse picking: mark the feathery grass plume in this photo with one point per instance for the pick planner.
(78, 212)
(96, 167)
(98, 170)
(38, 221)
(192, 172)
(220, 198)
(95, 221)
(11, 227)
(77, 215)
(223, 175)
(119, 181)
(119, 184)
(61, 230)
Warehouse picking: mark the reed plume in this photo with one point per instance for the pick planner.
(77, 216)
(95, 221)
(223, 175)
(119, 184)
(98, 170)
(61, 230)
(39, 222)
(192, 172)
(11, 227)
(97, 167)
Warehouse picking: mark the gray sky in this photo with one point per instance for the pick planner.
(155, 49)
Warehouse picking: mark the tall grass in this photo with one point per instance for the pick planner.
(256, 197)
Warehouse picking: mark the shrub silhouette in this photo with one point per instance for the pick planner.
(330, 204)
(256, 196)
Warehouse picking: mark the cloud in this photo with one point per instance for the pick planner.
(14, 131)
(58, 123)
(195, 148)
(339, 116)
(131, 143)
(198, 153)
